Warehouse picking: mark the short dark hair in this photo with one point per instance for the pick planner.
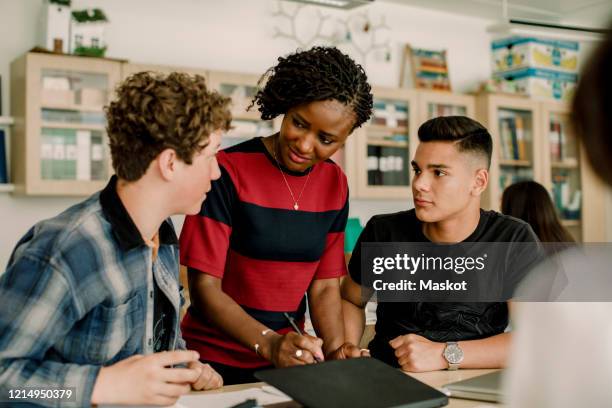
(592, 109)
(318, 74)
(153, 112)
(467, 134)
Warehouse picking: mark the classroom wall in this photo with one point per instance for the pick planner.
(234, 35)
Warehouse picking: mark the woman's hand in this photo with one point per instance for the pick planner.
(293, 349)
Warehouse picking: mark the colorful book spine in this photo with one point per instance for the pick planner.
(554, 140)
(513, 140)
(505, 136)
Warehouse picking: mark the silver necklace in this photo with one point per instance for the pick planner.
(295, 202)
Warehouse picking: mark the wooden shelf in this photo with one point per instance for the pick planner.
(6, 120)
(73, 107)
(248, 116)
(387, 129)
(387, 143)
(571, 223)
(515, 163)
(76, 126)
(6, 188)
(569, 164)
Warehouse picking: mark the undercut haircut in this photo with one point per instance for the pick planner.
(467, 134)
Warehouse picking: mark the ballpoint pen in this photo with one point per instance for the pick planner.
(298, 331)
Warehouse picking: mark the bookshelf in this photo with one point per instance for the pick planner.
(60, 145)
(437, 103)
(130, 68)
(514, 125)
(377, 156)
(544, 151)
(6, 123)
(241, 88)
(566, 176)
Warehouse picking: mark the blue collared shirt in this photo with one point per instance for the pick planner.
(77, 295)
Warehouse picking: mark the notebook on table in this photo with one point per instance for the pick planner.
(354, 383)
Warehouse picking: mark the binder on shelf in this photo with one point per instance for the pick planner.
(3, 159)
(83, 160)
(505, 135)
(520, 138)
(554, 138)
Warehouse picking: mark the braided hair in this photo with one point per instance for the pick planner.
(318, 74)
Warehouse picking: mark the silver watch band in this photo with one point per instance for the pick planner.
(452, 366)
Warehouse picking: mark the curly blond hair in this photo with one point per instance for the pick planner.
(154, 112)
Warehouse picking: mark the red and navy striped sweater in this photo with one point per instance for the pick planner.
(266, 253)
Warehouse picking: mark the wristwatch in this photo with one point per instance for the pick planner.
(453, 355)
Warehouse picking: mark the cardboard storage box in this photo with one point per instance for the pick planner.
(513, 53)
(541, 83)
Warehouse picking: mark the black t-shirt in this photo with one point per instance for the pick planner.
(444, 321)
(162, 319)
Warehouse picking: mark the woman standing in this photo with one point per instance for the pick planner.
(273, 225)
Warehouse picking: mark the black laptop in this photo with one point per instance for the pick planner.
(354, 383)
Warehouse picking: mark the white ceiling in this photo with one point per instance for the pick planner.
(587, 13)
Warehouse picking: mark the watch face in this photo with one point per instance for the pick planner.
(453, 354)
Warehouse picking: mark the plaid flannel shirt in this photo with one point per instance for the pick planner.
(77, 295)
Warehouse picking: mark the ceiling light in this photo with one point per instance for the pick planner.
(341, 4)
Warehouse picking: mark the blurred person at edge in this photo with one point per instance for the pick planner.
(561, 354)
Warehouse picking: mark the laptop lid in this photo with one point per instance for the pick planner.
(485, 387)
(354, 383)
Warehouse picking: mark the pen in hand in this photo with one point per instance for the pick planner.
(295, 327)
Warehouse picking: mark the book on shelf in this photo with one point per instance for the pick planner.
(387, 166)
(504, 132)
(68, 154)
(554, 139)
(514, 138)
(520, 138)
(562, 144)
(567, 203)
(3, 158)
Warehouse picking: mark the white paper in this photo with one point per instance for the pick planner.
(264, 396)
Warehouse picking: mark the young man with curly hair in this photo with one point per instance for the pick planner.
(272, 228)
(90, 298)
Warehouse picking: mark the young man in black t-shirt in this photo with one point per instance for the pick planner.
(451, 172)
